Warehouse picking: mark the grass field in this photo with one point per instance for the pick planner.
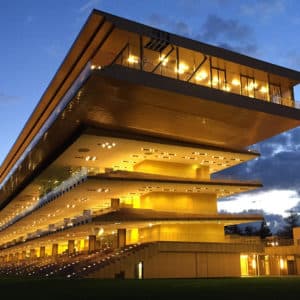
(244, 288)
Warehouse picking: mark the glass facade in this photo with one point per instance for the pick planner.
(159, 57)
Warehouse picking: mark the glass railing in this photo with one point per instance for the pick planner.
(66, 185)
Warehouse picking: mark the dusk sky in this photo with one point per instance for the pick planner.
(36, 35)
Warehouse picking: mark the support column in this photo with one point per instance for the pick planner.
(115, 203)
(10, 257)
(71, 247)
(19, 256)
(32, 253)
(92, 243)
(54, 249)
(121, 238)
(23, 255)
(202, 172)
(42, 251)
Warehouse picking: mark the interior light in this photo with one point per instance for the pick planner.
(215, 81)
(281, 263)
(263, 89)
(181, 68)
(227, 88)
(133, 59)
(252, 86)
(108, 145)
(235, 82)
(164, 60)
(253, 263)
(201, 76)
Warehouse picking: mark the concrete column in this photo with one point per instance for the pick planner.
(92, 243)
(115, 203)
(98, 244)
(42, 251)
(54, 249)
(203, 172)
(71, 247)
(23, 255)
(121, 238)
(19, 256)
(32, 253)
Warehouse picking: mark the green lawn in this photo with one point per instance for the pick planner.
(244, 288)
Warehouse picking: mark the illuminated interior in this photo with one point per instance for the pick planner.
(150, 55)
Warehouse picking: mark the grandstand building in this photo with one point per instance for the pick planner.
(112, 174)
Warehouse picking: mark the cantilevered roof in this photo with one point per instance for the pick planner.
(75, 71)
(96, 29)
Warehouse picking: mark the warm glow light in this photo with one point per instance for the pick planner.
(201, 76)
(101, 231)
(133, 59)
(253, 263)
(164, 60)
(263, 89)
(227, 88)
(281, 263)
(235, 82)
(215, 81)
(182, 68)
(251, 86)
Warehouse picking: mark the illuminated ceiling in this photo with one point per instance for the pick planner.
(96, 192)
(99, 153)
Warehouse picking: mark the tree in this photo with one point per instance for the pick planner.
(264, 230)
(249, 231)
(232, 229)
(291, 221)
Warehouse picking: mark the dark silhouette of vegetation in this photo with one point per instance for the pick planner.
(291, 221)
(250, 230)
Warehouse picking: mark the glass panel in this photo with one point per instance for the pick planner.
(248, 86)
(218, 78)
(167, 62)
(275, 93)
(202, 76)
(187, 65)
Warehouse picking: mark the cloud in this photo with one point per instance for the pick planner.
(4, 98)
(263, 8)
(292, 59)
(279, 164)
(229, 34)
(274, 201)
(169, 24)
(89, 5)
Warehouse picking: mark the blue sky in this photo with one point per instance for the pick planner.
(36, 35)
